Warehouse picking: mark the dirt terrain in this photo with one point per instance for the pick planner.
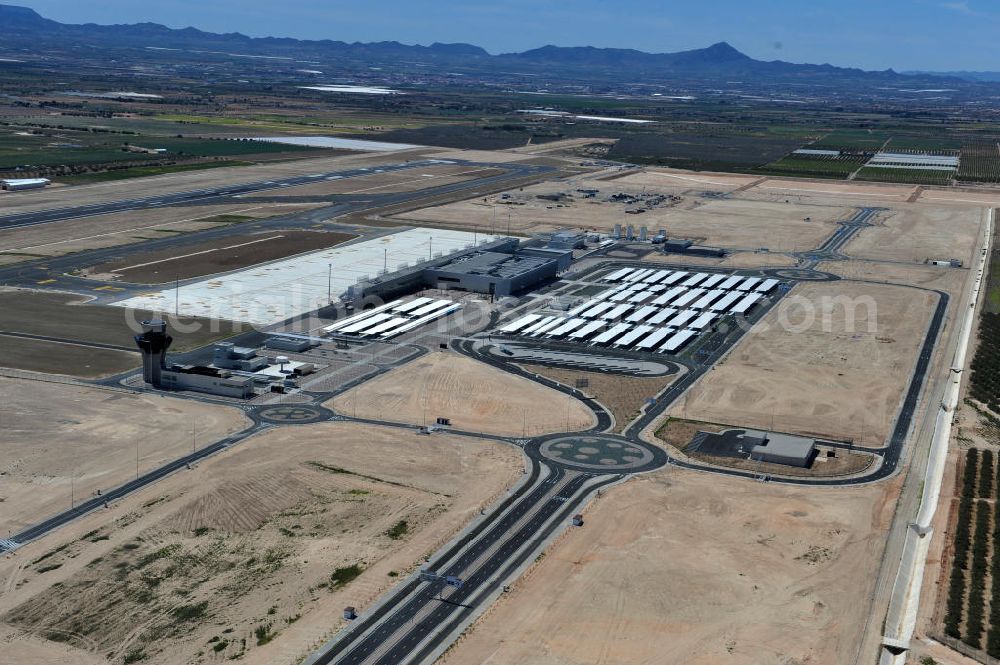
(219, 255)
(730, 223)
(475, 396)
(321, 516)
(826, 377)
(623, 395)
(733, 260)
(63, 440)
(655, 178)
(679, 567)
(914, 233)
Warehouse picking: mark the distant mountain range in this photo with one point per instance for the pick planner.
(988, 77)
(23, 29)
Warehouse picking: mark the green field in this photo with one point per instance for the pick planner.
(812, 166)
(853, 140)
(905, 176)
(19, 147)
(992, 304)
(931, 144)
(980, 161)
(219, 147)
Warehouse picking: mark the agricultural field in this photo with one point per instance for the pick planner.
(702, 152)
(984, 384)
(980, 162)
(57, 150)
(862, 140)
(974, 578)
(928, 143)
(815, 166)
(905, 176)
(21, 147)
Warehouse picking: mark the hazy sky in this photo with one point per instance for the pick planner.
(873, 34)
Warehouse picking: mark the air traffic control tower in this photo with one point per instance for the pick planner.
(153, 344)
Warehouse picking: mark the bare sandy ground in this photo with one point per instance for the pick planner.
(855, 189)
(731, 223)
(826, 377)
(100, 231)
(62, 439)
(719, 182)
(984, 198)
(475, 396)
(749, 224)
(249, 538)
(919, 232)
(699, 569)
(949, 280)
(734, 260)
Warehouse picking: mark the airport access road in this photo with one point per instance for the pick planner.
(423, 616)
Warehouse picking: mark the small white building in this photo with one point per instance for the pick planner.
(18, 184)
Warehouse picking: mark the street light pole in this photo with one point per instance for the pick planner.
(329, 283)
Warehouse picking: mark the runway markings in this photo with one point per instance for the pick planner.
(137, 228)
(205, 251)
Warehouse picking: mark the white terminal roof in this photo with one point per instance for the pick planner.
(25, 181)
(279, 290)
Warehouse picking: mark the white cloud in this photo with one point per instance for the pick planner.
(960, 7)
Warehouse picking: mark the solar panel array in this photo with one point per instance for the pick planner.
(395, 318)
(649, 310)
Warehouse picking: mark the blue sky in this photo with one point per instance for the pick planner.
(873, 34)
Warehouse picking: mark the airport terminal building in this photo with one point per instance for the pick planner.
(496, 273)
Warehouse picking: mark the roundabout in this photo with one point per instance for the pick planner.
(293, 414)
(597, 453)
(804, 274)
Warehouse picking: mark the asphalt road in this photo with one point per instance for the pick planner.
(55, 273)
(213, 194)
(422, 616)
